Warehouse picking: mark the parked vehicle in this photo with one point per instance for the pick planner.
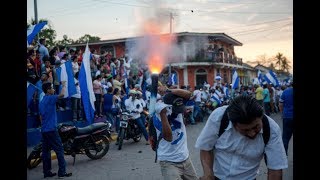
(128, 129)
(92, 140)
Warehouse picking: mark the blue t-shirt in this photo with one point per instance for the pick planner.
(48, 113)
(107, 102)
(287, 100)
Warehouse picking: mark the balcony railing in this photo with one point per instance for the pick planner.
(215, 57)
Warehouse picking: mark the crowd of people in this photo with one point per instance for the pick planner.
(118, 86)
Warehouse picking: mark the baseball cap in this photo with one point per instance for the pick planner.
(175, 101)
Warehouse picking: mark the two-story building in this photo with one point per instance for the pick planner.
(204, 55)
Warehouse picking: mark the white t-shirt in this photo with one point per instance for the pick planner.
(197, 94)
(134, 105)
(177, 149)
(236, 156)
(78, 94)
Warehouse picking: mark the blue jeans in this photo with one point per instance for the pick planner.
(142, 127)
(110, 118)
(52, 140)
(196, 109)
(287, 131)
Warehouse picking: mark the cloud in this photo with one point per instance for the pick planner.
(251, 16)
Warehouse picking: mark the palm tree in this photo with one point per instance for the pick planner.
(285, 66)
(279, 58)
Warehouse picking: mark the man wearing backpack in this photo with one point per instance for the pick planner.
(171, 145)
(235, 139)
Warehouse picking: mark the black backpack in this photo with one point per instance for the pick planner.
(266, 129)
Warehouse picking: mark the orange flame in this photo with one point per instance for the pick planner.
(159, 46)
(155, 64)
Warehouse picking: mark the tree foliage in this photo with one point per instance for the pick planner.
(282, 62)
(65, 41)
(87, 38)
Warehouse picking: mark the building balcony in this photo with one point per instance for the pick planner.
(215, 58)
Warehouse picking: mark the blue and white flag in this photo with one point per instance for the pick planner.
(271, 77)
(86, 87)
(260, 77)
(216, 98)
(33, 30)
(66, 74)
(235, 79)
(218, 77)
(173, 79)
(256, 81)
(31, 89)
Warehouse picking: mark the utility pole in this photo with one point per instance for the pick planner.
(36, 15)
(35, 12)
(171, 18)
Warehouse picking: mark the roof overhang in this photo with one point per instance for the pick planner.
(217, 36)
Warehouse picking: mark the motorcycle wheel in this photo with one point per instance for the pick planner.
(102, 147)
(121, 136)
(34, 159)
(137, 138)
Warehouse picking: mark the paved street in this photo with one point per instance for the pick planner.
(136, 161)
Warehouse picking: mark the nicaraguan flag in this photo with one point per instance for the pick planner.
(86, 88)
(271, 77)
(218, 77)
(235, 79)
(31, 89)
(255, 81)
(260, 77)
(66, 74)
(216, 98)
(33, 30)
(173, 79)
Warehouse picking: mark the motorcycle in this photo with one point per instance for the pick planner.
(128, 129)
(92, 140)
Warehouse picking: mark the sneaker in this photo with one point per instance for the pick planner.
(147, 143)
(65, 175)
(51, 174)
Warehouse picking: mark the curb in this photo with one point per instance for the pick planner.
(54, 156)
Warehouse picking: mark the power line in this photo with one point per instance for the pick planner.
(189, 10)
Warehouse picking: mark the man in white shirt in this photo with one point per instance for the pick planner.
(239, 150)
(134, 106)
(172, 151)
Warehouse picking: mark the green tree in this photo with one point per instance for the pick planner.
(65, 41)
(87, 38)
(285, 66)
(282, 62)
(279, 58)
(47, 32)
(261, 59)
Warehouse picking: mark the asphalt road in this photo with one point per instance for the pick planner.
(136, 162)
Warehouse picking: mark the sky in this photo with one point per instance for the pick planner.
(264, 27)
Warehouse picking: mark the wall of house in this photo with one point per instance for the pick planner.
(192, 74)
(120, 50)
